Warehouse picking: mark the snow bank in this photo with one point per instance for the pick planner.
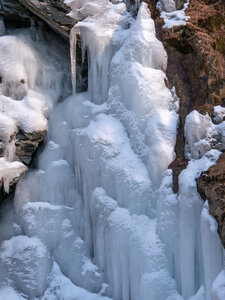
(219, 113)
(170, 15)
(202, 134)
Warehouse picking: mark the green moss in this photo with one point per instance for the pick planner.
(220, 43)
(216, 22)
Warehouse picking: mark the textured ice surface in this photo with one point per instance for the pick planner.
(62, 288)
(100, 199)
(193, 252)
(25, 262)
(212, 251)
(218, 288)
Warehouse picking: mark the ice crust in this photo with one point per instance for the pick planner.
(99, 209)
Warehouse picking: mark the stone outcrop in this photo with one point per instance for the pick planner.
(53, 13)
(26, 143)
(14, 13)
(211, 186)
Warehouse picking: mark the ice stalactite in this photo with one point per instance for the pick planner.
(99, 208)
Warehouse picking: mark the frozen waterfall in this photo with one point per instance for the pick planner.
(97, 218)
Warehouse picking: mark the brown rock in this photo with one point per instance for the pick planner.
(27, 143)
(53, 13)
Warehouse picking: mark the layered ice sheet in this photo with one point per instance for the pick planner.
(99, 208)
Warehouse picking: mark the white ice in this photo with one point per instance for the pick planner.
(100, 202)
(171, 16)
(219, 113)
(31, 82)
(202, 134)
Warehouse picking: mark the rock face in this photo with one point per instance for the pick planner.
(26, 144)
(22, 12)
(211, 186)
(53, 13)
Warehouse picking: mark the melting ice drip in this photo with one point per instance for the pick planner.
(98, 217)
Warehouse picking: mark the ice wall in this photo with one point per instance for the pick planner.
(31, 81)
(98, 214)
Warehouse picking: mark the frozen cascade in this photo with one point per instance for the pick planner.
(97, 219)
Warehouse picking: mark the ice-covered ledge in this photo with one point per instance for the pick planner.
(10, 173)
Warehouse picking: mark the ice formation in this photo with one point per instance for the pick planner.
(97, 218)
(31, 81)
(202, 134)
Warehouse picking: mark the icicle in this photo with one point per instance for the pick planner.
(211, 248)
(73, 53)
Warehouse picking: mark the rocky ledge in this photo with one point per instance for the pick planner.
(54, 13)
